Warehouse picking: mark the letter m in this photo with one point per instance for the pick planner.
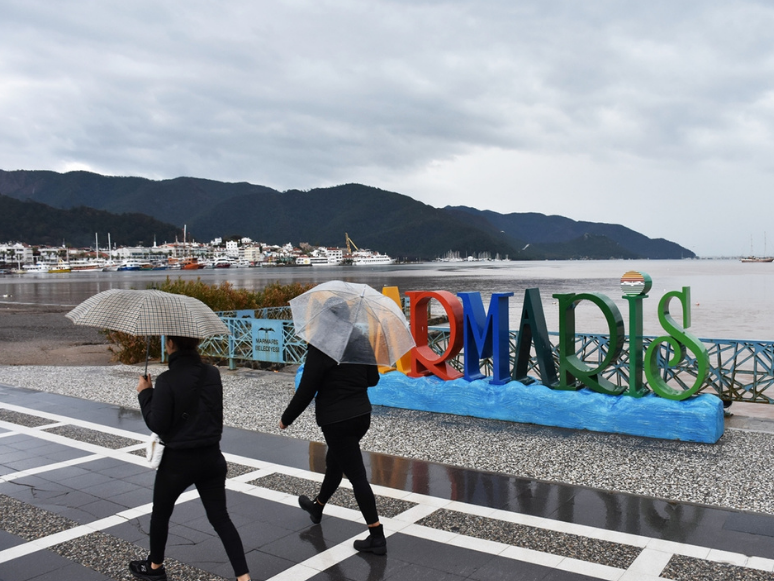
(486, 336)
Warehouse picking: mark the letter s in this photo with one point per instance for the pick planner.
(679, 339)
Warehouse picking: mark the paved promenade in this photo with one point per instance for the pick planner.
(75, 500)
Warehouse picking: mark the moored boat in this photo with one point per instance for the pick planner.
(59, 267)
(128, 265)
(364, 258)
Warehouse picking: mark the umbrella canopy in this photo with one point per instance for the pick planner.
(148, 313)
(352, 323)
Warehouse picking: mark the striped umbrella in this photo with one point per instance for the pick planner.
(148, 313)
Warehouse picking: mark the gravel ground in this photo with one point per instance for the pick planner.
(737, 472)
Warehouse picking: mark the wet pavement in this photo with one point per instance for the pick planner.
(75, 498)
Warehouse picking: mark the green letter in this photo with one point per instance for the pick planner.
(570, 365)
(678, 340)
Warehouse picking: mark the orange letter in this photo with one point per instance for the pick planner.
(425, 361)
(404, 363)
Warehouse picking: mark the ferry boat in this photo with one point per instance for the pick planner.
(86, 266)
(316, 261)
(35, 268)
(59, 267)
(370, 259)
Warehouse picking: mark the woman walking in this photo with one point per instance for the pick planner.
(186, 410)
(343, 411)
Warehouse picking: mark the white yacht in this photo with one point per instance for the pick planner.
(364, 258)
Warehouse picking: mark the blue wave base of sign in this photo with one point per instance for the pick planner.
(696, 419)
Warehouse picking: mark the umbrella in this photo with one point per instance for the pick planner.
(148, 313)
(352, 323)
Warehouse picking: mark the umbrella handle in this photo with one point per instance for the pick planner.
(147, 355)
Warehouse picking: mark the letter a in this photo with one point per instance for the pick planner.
(533, 328)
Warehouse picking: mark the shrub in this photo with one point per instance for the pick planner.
(220, 297)
(130, 349)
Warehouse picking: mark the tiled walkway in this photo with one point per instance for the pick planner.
(75, 502)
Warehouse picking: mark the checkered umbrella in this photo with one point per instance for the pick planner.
(148, 313)
(352, 323)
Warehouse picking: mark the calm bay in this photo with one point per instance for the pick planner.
(729, 299)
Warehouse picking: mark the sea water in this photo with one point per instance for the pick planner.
(729, 299)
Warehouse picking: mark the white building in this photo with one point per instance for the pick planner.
(232, 249)
(16, 253)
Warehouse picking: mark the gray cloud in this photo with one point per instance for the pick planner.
(424, 97)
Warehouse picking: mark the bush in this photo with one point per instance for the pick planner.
(220, 297)
(130, 349)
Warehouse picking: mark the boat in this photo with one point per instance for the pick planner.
(129, 265)
(753, 258)
(190, 263)
(364, 258)
(36, 268)
(221, 262)
(110, 266)
(59, 267)
(87, 266)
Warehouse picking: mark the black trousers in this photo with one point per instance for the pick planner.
(345, 458)
(206, 468)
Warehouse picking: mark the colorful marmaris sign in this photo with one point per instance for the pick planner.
(486, 335)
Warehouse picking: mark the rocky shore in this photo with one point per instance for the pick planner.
(41, 350)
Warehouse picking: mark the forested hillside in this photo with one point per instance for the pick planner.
(386, 221)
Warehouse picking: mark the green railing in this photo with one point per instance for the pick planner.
(739, 370)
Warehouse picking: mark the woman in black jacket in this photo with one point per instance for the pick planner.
(343, 411)
(186, 410)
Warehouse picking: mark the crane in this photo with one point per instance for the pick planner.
(349, 241)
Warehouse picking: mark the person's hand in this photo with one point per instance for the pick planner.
(144, 383)
(282, 426)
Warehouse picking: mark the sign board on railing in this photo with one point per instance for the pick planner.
(268, 342)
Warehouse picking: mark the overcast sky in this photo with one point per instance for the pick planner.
(657, 115)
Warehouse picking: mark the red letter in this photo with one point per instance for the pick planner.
(425, 361)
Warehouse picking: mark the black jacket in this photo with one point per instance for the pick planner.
(163, 406)
(341, 390)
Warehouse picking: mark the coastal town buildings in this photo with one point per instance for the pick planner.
(218, 253)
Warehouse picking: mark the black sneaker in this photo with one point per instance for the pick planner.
(313, 507)
(143, 570)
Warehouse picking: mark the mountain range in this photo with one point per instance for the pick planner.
(390, 222)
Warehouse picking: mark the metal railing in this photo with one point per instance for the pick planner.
(738, 370)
